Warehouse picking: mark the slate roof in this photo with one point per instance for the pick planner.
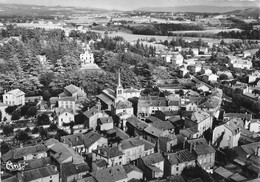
(129, 168)
(199, 116)
(87, 179)
(162, 125)
(223, 172)
(153, 131)
(248, 117)
(122, 105)
(39, 173)
(91, 112)
(152, 159)
(111, 174)
(134, 142)
(120, 133)
(232, 127)
(201, 147)
(108, 152)
(181, 157)
(71, 99)
(72, 89)
(211, 102)
(16, 92)
(90, 138)
(69, 169)
(134, 121)
(100, 163)
(37, 163)
(21, 152)
(105, 120)
(62, 152)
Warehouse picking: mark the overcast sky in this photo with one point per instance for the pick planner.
(134, 4)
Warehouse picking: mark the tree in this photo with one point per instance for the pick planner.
(10, 109)
(5, 147)
(46, 95)
(31, 111)
(8, 130)
(22, 136)
(223, 77)
(43, 119)
(16, 115)
(43, 133)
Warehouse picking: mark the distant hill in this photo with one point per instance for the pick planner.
(210, 9)
(33, 10)
(252, 12)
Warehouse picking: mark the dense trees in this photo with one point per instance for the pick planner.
(162, 29)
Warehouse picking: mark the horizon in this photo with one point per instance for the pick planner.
(125, 5)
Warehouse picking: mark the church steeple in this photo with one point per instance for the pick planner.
(119, 79)
(119, 88)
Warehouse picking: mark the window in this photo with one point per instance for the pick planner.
(177, 168)
(120, 157)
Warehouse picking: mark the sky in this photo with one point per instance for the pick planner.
(135, 4)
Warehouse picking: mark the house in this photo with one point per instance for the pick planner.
(254, 126)
(165, 115)
(123, 107)
(202, 87)
(105, 123)
(73, 91)
(67, 103)
(111, 155)
(14, 97)
(5, 116)
(210, 78)
(61, 153)
(84, 143)
(161, 125)
(134, 148)
(135, 126)
(92, 115)
(148, 105)
(26, 153)
(152, 133)
(191, 106)
(211, 105)
(191, 132)
(176, 162)
(48, 173)
(205, 154)
(111, 174)
(226, 135)
(248, 156)
(247, 118)
(183, 72)
(71, 172)
(203, 121)
(241, 63)
(195, 51)
(152, 166)
(87, 59)
(167, 142)
(133, 172)
(64, 117)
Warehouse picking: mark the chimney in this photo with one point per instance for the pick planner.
(190, 147)
(5, 91)
(88, 108)
(184, 142)
(21, 145)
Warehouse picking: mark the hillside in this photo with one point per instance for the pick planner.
(252, 12)
(211, 9)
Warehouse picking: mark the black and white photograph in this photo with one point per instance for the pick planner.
(130, 90)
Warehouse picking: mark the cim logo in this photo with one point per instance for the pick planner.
(15, 166)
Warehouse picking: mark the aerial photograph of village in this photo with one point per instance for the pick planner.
(130, 90)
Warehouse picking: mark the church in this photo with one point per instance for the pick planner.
(116, 100)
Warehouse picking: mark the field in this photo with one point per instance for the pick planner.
(213, 31)
(132, 37)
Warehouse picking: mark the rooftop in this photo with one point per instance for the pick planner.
(201, 147)
(152, 159)
(16, 92)
(134, 142)
(181, 157)
(110, 174)
(108, 152)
